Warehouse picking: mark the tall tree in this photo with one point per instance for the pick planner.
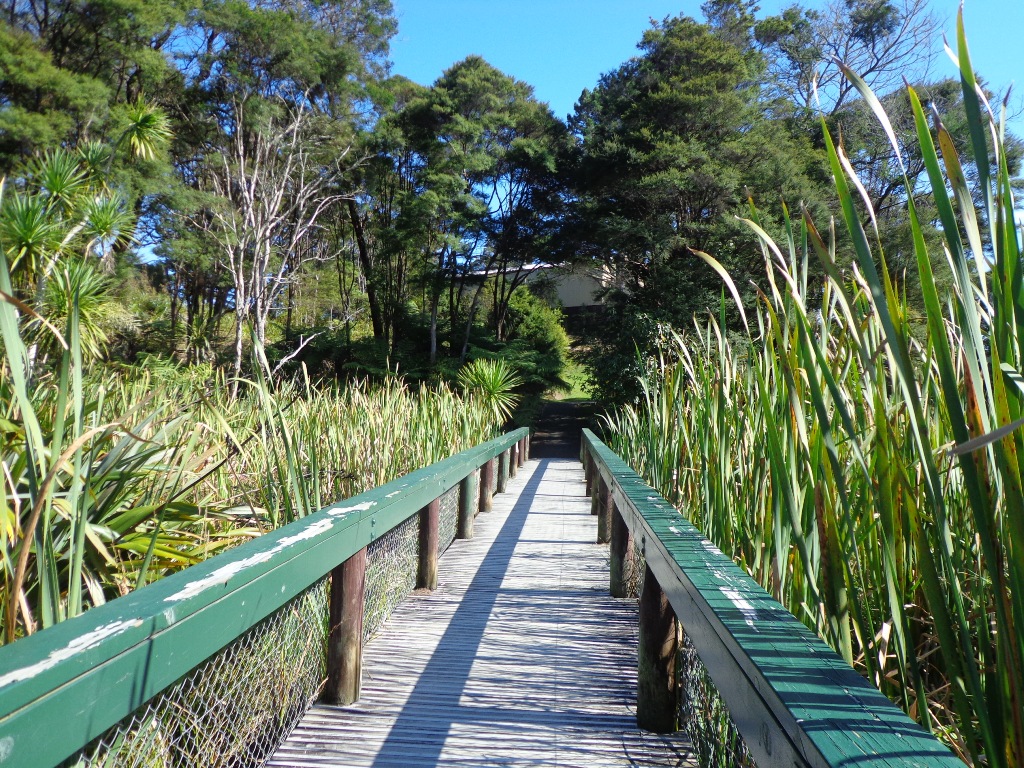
(883, 41)
(467, 180)
(279, 92)
(669, 146)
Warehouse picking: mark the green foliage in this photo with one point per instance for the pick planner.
(537, 345)
(42, 103)
(865, 472)
(493, 381)
(671, 144)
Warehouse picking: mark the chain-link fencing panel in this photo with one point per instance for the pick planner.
(448, 519)
(391, 565)
(235, 708)
(703, 713)
(638, 567)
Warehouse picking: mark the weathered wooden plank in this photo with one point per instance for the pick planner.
(519, 657)
(92, 671)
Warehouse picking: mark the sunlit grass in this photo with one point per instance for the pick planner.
(868, 472)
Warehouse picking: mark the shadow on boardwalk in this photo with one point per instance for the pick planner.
(557, 433)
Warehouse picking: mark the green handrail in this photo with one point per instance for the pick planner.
(63, 687)
(792, 698)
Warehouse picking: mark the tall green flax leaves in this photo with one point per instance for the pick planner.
(869, 475)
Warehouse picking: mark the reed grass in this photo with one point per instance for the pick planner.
(866, 470)
(111, 479)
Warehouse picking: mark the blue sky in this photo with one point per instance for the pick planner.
(561, 47)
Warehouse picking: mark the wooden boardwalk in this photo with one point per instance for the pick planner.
(519, 658)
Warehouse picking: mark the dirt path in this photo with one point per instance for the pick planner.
(557, 434)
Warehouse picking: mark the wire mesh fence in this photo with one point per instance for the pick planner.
(637, 568)
(716, 742)
(448, 519)
(235, 708)
(702, 711)
(391, 565)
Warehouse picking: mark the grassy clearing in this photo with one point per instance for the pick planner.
(868, 471)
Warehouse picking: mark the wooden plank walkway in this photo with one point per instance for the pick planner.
(520, 658)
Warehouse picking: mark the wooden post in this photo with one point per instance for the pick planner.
(513, 459)
(521, 451)
(486, 480)
(656, 705)
(526, 448)
(430, 516)
(604, 512)
(595, 493)
(468, 497)
(588, 473)
(621, 571)
(502, 472)
(345, 631)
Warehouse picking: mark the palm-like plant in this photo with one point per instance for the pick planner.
(494, 381)
(147, 132)
(106, 223)
(78, 288)
(60, 178)
(32, 236)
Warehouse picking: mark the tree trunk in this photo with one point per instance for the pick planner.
(366, 263)
(239, 321)
(433, 330)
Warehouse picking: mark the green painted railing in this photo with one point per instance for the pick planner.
(65, 686)
(792, 699)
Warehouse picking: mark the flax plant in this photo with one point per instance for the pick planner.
(111, 479)
(868, 472)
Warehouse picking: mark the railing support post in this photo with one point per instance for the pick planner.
(486, 481)
(502, 472)
(513, 459)
(521, 453)
(621, 570)
(656, 673)
(430, 516)
(588, 473)
(604, 512)
(526, 448)
(468, 497)
(345, 634)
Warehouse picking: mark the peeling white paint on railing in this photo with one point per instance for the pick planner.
(76, 646)
(746, 608)
(226, 572)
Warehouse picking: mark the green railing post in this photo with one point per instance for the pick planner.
(604, 512)
(502, 472)
(468, 497)
(486, 480)
(656, 708)
(430, 517)
(621, 571)
(345, 631)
